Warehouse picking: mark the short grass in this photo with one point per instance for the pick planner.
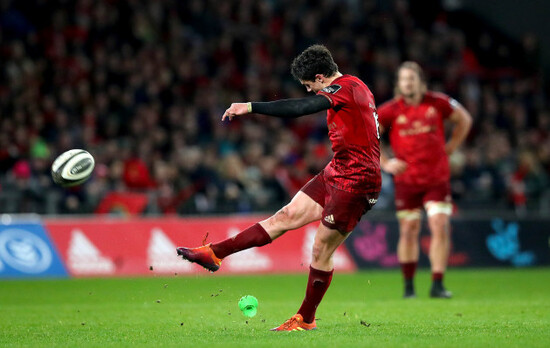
(491, 308)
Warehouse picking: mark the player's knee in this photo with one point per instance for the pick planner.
(440, 233)
(439, 226)
(315, 253)
(410, 230)
(284, 216)
(318, 252)
(408, 239)
(321, 247)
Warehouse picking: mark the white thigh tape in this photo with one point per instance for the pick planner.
(409, 214)
(433, 207)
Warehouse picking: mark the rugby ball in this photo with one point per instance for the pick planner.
(72, 167)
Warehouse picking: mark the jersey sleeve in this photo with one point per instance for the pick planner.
(445, 104)
(386, 114)
(338, 94)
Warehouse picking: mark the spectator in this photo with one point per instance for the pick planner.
(111, 76)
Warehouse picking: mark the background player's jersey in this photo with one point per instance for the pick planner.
(417, 136)
(353, 130)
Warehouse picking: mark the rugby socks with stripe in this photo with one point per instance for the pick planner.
(254, 236)
(437, 278)
(317, 284)
(409, 269)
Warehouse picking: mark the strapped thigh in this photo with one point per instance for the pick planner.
(409, 214)
(434, 207)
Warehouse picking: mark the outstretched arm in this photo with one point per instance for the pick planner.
(286, 108)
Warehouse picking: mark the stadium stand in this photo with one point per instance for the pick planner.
(142, 86)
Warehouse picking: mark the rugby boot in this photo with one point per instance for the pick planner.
(296, 323)
(439, 291)
(409, 289)
(409, 293)
(203, 256)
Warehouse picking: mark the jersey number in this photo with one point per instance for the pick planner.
(375, 114)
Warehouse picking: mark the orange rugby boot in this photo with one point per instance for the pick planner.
(203, 256)
(296, 323)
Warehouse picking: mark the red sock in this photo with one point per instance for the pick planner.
(254, 236)
(437, 276)
(408, 269)
(317, 284)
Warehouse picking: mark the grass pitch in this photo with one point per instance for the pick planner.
(491, 308)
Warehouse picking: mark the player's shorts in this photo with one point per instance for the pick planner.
(342, 210)
(409, 200)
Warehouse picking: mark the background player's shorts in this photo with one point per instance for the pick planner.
(409, 200)
(342, 210)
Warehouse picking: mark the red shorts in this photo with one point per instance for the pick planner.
(413, 197)
(342, 210)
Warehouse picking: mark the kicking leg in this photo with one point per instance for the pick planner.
(299, 212)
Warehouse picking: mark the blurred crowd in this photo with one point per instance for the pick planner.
(142, 86)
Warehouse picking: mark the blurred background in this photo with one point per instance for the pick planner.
(142, 86)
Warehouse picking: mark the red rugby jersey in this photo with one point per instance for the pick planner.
(417, 136)
(353, 130)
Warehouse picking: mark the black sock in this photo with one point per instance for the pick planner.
(437, 283)
(409, 285)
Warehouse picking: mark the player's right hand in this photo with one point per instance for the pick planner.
(236, 109)
(395, 166)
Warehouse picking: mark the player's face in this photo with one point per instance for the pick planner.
(313, 86)
(409, 83)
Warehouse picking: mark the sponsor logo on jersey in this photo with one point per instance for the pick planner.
(418, 129)
(331, 89)
(329, 219)
(401, 119)
(431, 112)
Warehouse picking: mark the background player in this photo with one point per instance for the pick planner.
(338, 196)
(415, 121)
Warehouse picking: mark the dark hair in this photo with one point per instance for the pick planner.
(313, 60)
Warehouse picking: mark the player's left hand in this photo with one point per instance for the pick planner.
(236, 109)
(395, 166)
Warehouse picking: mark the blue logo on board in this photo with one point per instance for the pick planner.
(504, 244)
(25, 250)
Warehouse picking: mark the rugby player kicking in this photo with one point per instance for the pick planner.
(337, 197)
